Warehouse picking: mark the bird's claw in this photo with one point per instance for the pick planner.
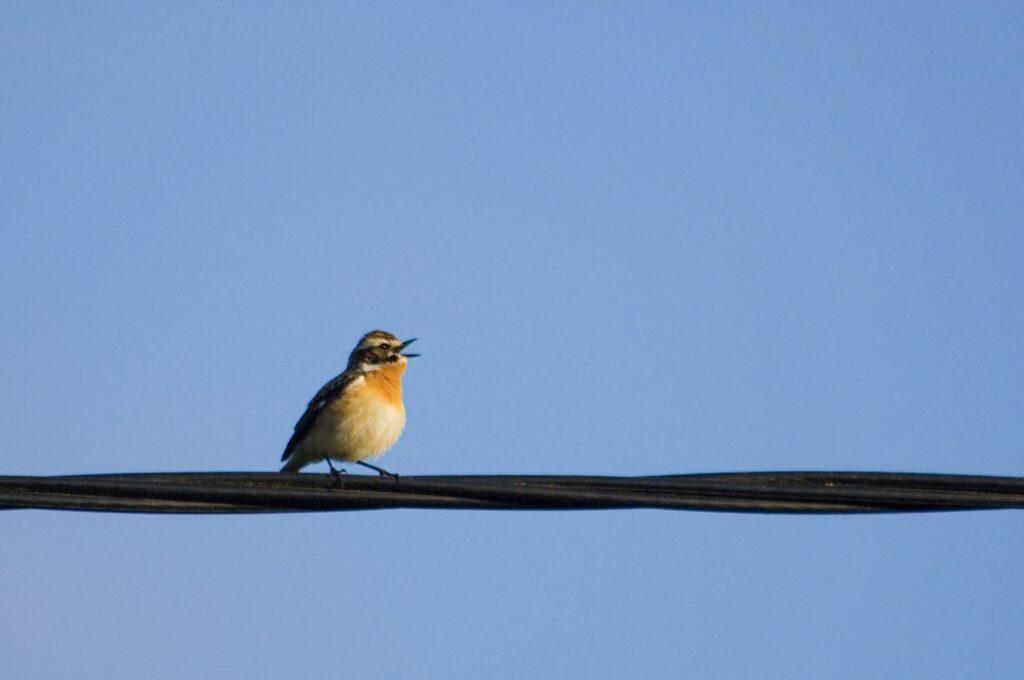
(336, 477)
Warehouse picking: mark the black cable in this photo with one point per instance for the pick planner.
(768, 492)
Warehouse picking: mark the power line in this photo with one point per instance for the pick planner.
(763, 492)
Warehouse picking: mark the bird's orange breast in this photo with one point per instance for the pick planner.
(386, 383)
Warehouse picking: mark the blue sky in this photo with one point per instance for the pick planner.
(633, 238)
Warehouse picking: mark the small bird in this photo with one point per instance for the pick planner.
(358, 414)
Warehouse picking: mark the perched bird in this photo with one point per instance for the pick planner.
(357, 415)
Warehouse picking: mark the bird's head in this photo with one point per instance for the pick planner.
(378, 349)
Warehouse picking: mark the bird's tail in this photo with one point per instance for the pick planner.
(294, 464)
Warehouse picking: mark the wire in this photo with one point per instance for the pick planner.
(764, 492)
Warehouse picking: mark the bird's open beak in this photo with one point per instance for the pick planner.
(406, 344)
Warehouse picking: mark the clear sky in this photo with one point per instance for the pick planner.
(633, 238)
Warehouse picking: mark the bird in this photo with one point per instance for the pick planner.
(358, 414)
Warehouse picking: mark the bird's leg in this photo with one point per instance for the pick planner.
(335, 475)
(380, 471)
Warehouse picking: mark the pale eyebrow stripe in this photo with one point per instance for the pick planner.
(376, 340)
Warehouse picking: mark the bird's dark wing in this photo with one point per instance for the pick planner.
(328, 392)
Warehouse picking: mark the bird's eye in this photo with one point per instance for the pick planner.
(384, 345)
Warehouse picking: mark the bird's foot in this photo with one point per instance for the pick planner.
(335, 475)
(379, 470)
